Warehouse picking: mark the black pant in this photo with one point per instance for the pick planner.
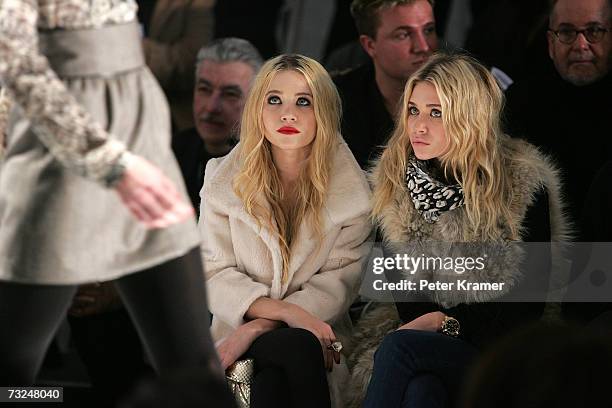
(289, 370)
(167, 304)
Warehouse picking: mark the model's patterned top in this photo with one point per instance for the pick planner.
(5, 105)
(61, 123)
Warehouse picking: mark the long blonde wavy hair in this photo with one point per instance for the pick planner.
(471, 102)
(258, 183)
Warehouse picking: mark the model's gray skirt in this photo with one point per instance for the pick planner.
(58, 228)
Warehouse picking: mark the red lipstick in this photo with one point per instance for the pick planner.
(288, 130)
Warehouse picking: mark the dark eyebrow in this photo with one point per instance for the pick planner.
(202, 81)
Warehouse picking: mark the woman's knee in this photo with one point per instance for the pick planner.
(401, 344)
(304, 345)
(304, 339)
(289, 346)
(426, 390)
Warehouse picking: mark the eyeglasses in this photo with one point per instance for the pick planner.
(569, 35)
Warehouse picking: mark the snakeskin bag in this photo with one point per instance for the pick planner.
(239, 378)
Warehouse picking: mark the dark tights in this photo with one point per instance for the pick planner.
(167, 304)
(289, 370)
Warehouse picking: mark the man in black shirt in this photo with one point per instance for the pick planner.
(225, 70)
(399, 36)
(568, 113)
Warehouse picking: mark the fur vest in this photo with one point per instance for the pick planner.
(401, 223)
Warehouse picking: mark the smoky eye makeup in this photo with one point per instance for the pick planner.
(274, 100)
(435, 113)
(302, 101)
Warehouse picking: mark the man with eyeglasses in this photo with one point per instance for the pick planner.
(579, 40)
(568, 113)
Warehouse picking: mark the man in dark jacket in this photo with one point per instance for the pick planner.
(568, 113)
(225, 70)
(399, 36)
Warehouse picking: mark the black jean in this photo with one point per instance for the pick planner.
(289, 370)
(167, 304)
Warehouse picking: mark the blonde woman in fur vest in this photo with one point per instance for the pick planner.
(448, 177)
(285, 219)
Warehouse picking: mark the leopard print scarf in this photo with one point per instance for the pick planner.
(430, 197)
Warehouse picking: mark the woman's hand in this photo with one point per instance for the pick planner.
(428, 322)
(300, 318)
(238, 342)
(151, 196)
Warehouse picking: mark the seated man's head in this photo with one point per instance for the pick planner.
(399, 35)
(579, 39)
(224, 72)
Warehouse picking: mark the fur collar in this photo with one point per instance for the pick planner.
(401, 223)
(348, 198)
(347, 184)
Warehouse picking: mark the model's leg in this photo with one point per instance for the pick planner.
(294, 358)
(404, 355)
(29, 318)
(169, 308)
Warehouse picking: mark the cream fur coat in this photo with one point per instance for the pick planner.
(243, 260)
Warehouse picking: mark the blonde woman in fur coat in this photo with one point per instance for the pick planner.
(284, 220)
(447, 177)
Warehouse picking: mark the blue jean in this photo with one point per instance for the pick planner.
(415, 369)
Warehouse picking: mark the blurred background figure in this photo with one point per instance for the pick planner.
(540, 367)
(174, 31)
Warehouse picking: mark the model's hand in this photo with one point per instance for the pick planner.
(300, 318)
(239, 341)
(427, 322)
(151, 196)
(95, 298)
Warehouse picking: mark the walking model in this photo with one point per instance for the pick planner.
(75, 205)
